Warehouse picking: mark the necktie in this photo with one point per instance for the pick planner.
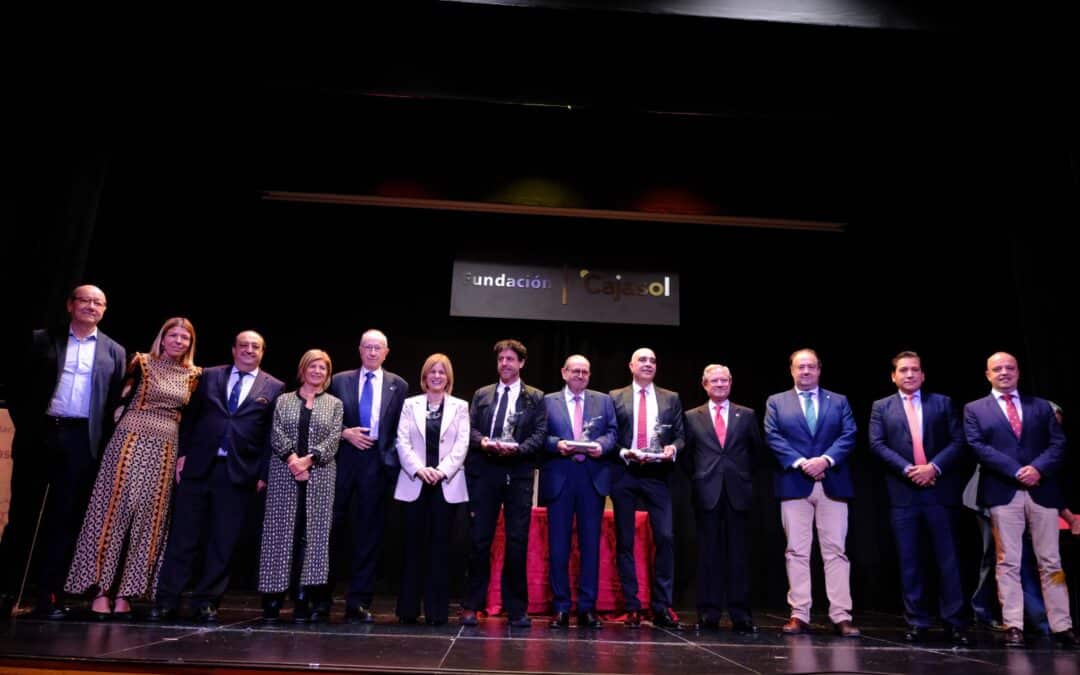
(366, 396)
(579, 418)
(721, 428)
(1014, 416)
(234, 395)
(642, 440)
(916, 431)
(811, 414)
(500, 413)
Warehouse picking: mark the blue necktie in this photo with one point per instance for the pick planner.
(234, 395)
(811, 415)
(366, 395)
(500, 414)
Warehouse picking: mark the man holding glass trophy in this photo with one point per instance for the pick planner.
(575, 477)
(650, 434)
(508, 426)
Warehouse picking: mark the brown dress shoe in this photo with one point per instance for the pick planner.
(847, 629)
(1014, 637)
(1066, 639)
(795, 627)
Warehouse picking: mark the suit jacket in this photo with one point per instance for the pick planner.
(669, 411)
(943, 443)
(1001, 455)
(207, 420)
(716, 470)
(790, 439)
(530, 433)
(40, 373)
(453, 447)
(346, 386)
(554, 468)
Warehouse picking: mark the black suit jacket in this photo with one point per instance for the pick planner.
(715, 470)
(38, 374)
(669, 411)
(943, 443)
(530, 433)
(346, 386)
(206, 420)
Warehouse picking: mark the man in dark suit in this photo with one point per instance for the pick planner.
(1021, 451)
(574, 479)
(811, 431)
(68, 383)
(722, 444)
(651, 433)
(917, 436)
(499, 472)
(367, 467)
(223, 450)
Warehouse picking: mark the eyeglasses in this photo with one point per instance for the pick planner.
(89, 301)
(578, 371)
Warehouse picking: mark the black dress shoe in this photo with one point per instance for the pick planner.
(435, 622)
(206, 614)
(408, 620)
(745, 627)
(301, 611)
(468, 618)
(633, 619)
(358, 614)
(157, 614)
(560, 620)
(53, 612)
(522, 621)
(1066, 638)
(589, 620)
(916, 634)
(958, 636)
(667, 618)
(1014, 637)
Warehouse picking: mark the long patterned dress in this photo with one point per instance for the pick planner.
(279, 525)
(131, 497)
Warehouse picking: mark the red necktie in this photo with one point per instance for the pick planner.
(579, 418)
(1014, 416)
(721, 428)
(642, 413)
(917, 450)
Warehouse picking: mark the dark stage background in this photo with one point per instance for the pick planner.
(949, 161)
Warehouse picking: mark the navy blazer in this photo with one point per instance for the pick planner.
(40, 371)
(716, 470)
(1001, 455)
(346, 386)
(669, 411)
(943, 443)
(789, 437)
(206, 420)
(554, 467)
(530, 432)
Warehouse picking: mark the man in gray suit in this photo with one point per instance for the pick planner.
(69, 381)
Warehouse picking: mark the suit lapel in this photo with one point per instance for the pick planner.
(99, 386)
(388, 390)
(257, 388)
(794, 399)
(708, 428)
(449, 413)
(420, 416)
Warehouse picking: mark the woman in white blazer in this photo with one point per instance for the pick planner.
(432, 441)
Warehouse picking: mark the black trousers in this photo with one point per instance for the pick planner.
(488, 491)
(427, 523)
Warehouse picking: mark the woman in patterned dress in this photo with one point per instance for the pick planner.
(295, 552)
(120, 547)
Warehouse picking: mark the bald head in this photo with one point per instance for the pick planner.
(86, 306)
(643, 366)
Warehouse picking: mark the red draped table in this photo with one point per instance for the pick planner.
(609, 596)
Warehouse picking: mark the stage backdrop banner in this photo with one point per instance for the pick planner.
(7, 434)
(507, 291)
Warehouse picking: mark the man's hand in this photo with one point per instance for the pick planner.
(564, 449)
(260, 485)
(815, 468)
(922, 474)
(179, 467)
(1029, 476)
(358, 437)
(669, 454)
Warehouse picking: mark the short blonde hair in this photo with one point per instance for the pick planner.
(311, 356)
(188, 359)
(430, 363)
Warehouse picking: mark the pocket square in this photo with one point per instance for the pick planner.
(262, 400)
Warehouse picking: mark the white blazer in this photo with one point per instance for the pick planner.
(412, 448)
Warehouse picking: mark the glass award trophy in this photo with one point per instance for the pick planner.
(582, 447)
(655, 450)
(509, 427)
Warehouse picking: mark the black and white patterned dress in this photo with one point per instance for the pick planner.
(324, 433)
(133, 490)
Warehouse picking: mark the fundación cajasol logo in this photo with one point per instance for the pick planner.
(618, 286)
